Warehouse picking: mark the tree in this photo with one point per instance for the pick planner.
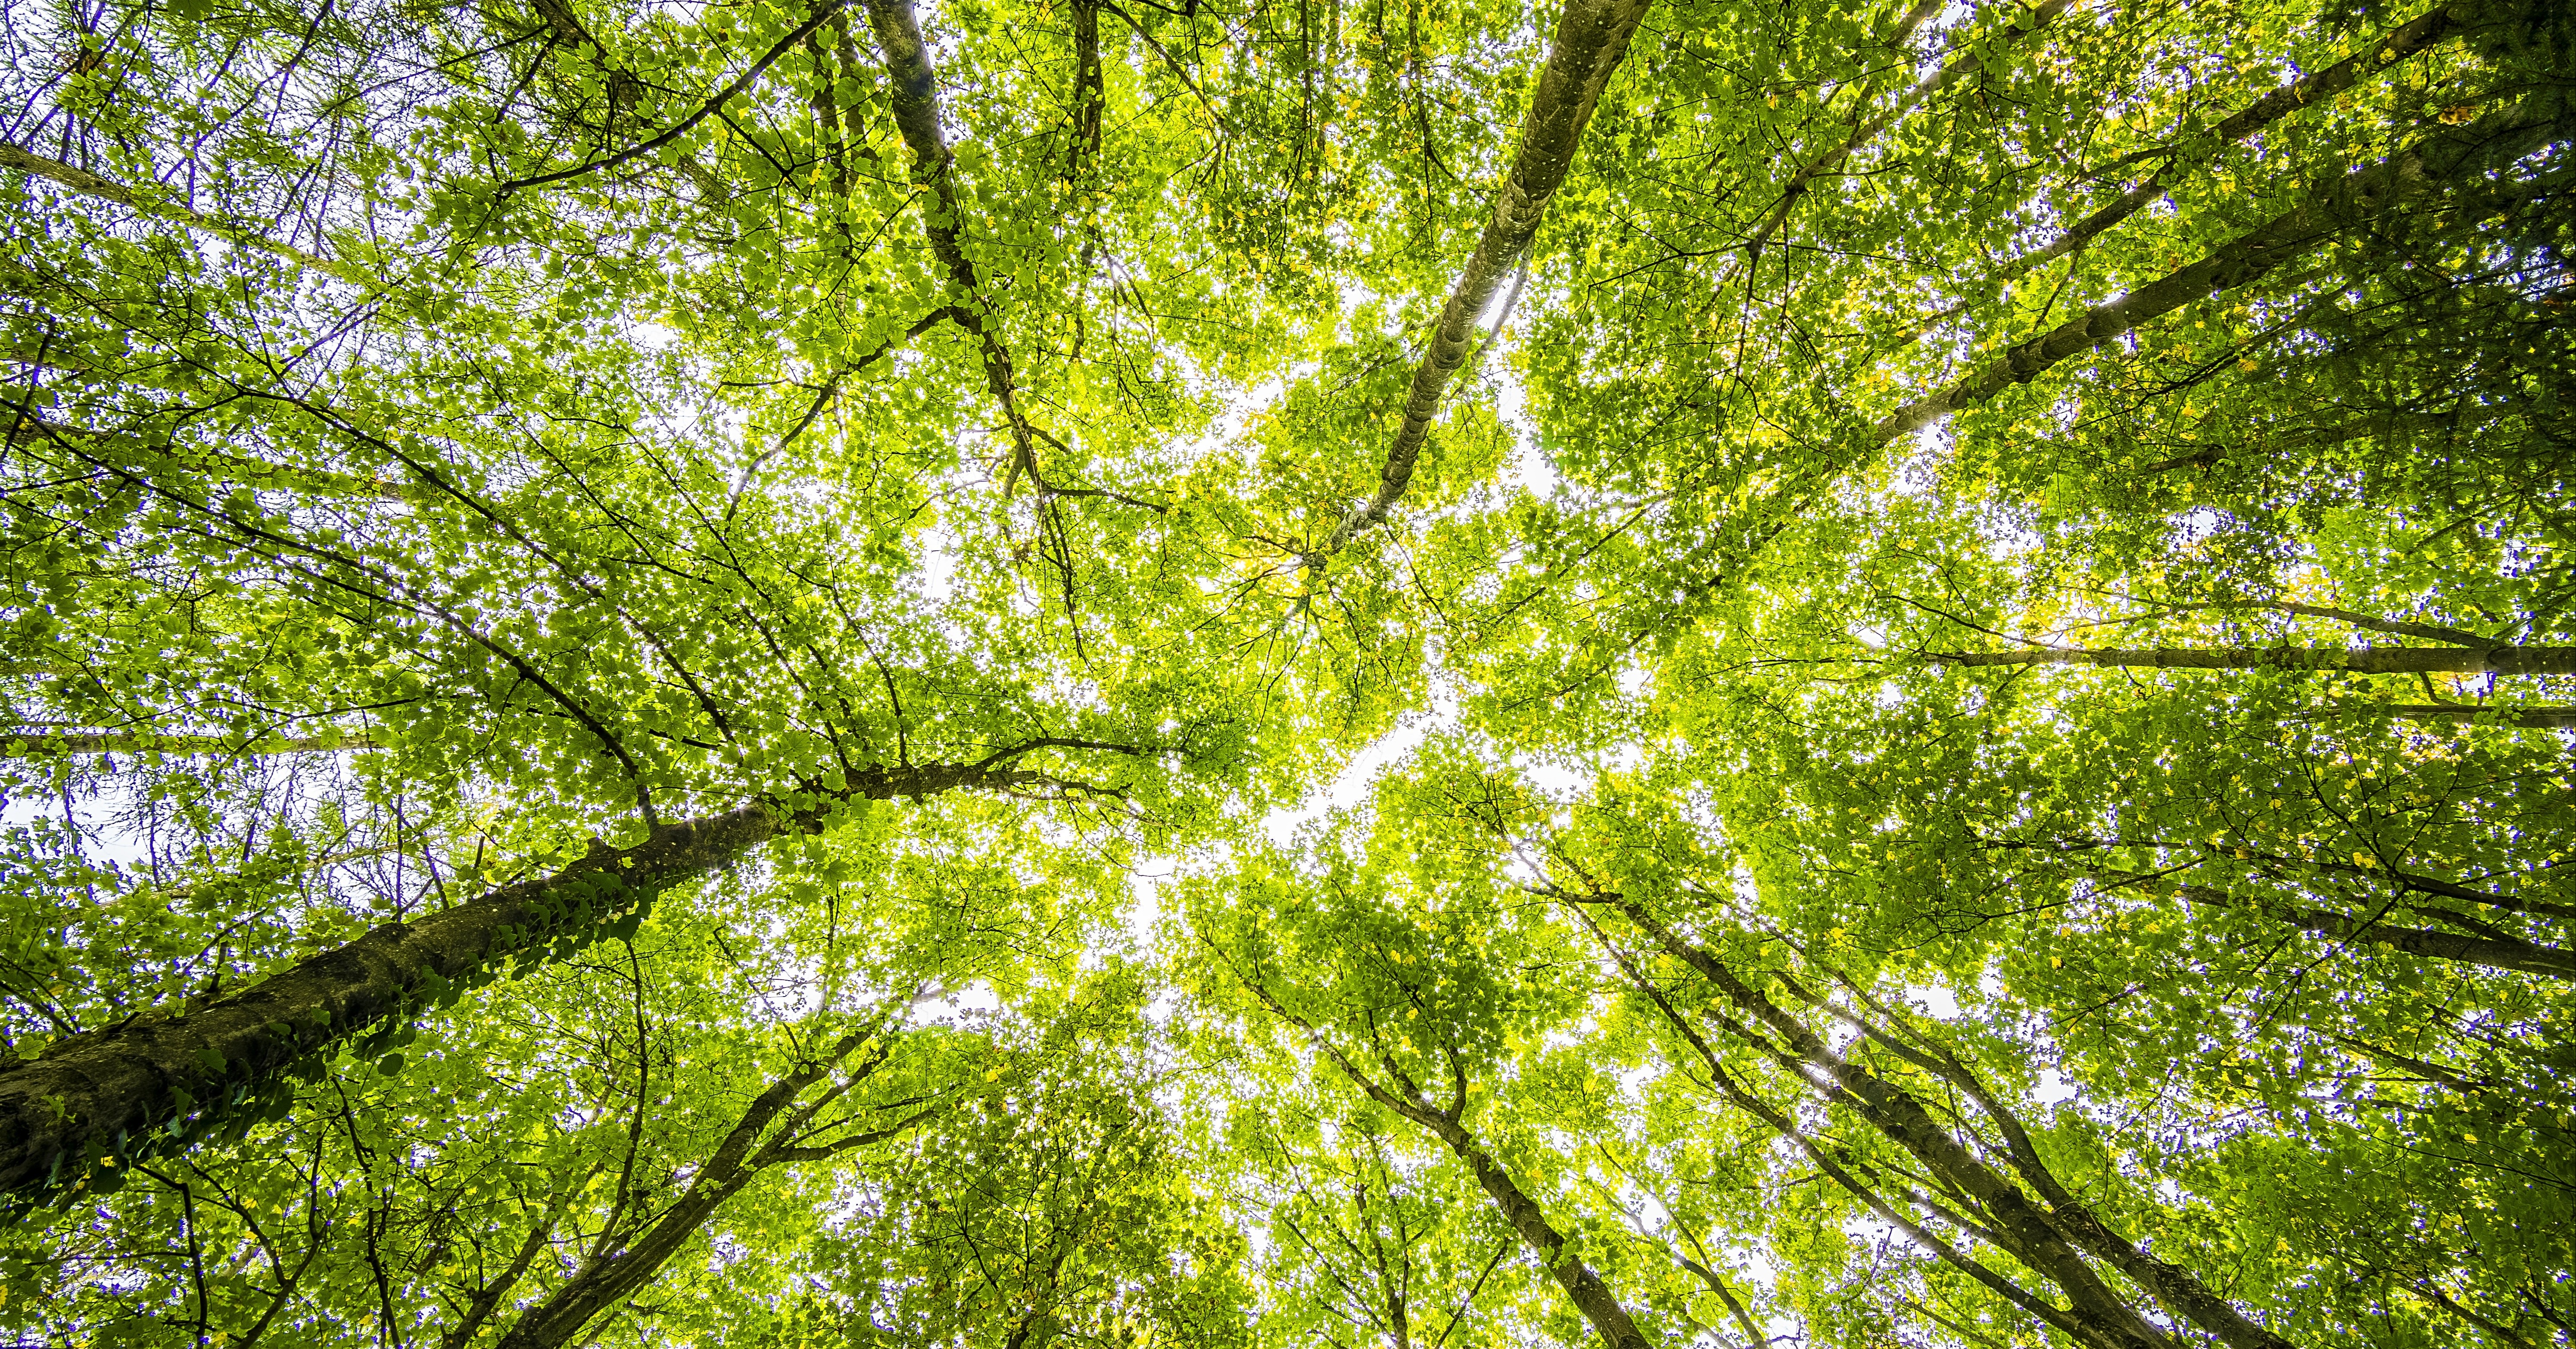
(1242, 673)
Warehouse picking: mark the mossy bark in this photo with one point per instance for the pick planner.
(160, 1081)
(107, 1095)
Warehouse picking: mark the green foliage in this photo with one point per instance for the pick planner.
(1776, 806)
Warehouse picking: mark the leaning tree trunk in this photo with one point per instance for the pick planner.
(162, 1081)
(2523, 957)
(2459, 156)
(916, 116)
(2083, 1325)
(2044, 1238)
(2423, 31)
(612, 1277)
(1584, 1287)
(2357, 660)
(1591, 39)
(157, 204)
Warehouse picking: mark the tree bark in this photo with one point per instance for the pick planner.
(2171, 1284)
(1090, 95)
(2078, 1324)
(479, 1308)
(2041, 1238)
(915, 97)
(1591, 39)
(151, 204)
(2520, 956)
(2494, 140)
(2362, 660)
(124, 1090)
(827, 114)
(2407, 39)
(1584, 1286)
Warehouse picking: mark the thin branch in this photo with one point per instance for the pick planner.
(710, 108)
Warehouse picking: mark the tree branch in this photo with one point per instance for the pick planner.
(822, 12)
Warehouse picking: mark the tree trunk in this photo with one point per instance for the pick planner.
(2520, 956)
(2043, 1239)
(151, 204)
(916, 115)
(605, 1281)
(2492, 141)
(479, 1308)
(1584, 1287)
(1090, 96)
(1591, 39)
(2079, 1325)
(123, 1091)
(1590, 1294)
(2360, 660)
(2422, 32)
(37, 742)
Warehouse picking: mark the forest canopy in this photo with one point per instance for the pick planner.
(1389, 674)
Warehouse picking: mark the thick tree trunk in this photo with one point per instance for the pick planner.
(1583, 1286)
(2520, 956)
(2078, 1325)
(1591, 39)
(2492, 141)
(2362, 660)
(124, 1091)
(105, 1093)
(1090, 95)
